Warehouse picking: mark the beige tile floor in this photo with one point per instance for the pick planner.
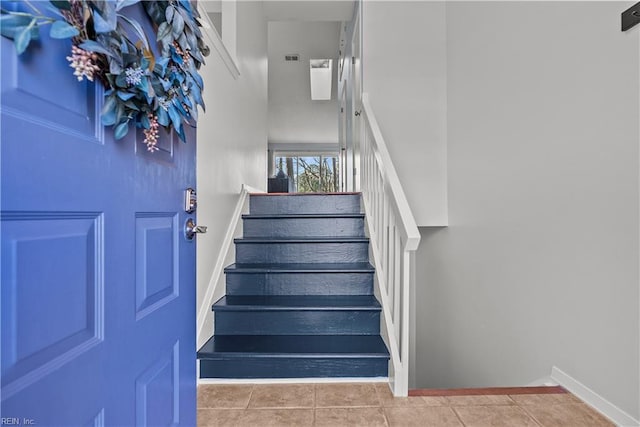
(372, 404)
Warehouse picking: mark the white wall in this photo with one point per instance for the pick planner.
(232, 138)
(346, 90)
(293, 116)
(308, 10)
(539, 265)
(404, 72)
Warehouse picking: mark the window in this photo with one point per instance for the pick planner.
(320, 74)
(311, 173)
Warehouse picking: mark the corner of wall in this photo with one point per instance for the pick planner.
(593, 399)
(232, 137)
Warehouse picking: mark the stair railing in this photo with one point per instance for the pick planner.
(225, 257)
(394, 237)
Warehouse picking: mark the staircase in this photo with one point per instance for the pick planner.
(300, 297)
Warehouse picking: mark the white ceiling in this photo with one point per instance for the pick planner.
(298, 10)
(293, 116)
(309, 10)
(211, 6)
(310, 28)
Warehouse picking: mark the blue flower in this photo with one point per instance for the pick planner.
(164, 103)
(134, 76)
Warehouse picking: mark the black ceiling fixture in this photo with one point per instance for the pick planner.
(631, 17)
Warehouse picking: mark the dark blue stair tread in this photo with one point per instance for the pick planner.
(301, 239)
(297, 303)
(347, 267)
(302, 216)
(306, 203)
(337, 193)
(294, 346)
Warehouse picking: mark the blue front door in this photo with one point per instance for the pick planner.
(98, 280)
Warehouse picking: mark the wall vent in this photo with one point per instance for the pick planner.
(292, 57)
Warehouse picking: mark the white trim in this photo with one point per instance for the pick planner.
(638, 33)
(292, 380)
(214, 39)
(413, 338)
(543, 382)
(593, 399)
(394, 237)
(409, 229)
(218, 269)
(304, 146)
(313, 153)
(387, 317)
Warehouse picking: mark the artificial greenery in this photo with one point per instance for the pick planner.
(143, 89)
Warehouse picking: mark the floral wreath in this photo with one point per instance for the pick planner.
(141, 89)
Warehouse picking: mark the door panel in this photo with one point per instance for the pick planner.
(356, 99)
(98, 281)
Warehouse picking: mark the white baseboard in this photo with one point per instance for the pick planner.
(593, 399)
(291, 380)
(543, 382)
(217, 276)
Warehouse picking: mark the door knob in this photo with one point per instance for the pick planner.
(191, 229)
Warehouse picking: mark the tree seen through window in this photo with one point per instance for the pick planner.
(311, 174)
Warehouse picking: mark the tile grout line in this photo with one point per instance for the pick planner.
(527, 412)
(315, 404)
(382, 407)
(384, 411)
(386, 419)
(253, 387)
(535, 420)
(457, 415)
(350, 406)
(380, 403)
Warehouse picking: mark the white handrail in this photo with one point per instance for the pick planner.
(217, 276)
(394, 237)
